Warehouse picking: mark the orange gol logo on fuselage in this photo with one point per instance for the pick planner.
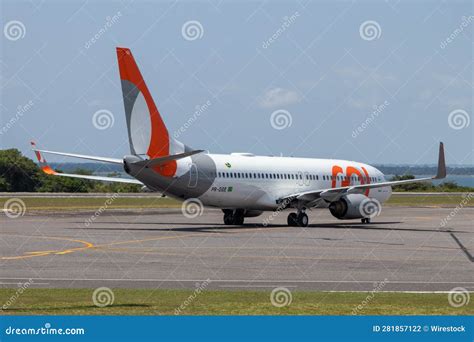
(346, 179)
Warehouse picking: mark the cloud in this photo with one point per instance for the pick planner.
(278, 97)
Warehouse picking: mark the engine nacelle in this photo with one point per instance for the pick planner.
(253, 213)
(348, 207)
(247, 213)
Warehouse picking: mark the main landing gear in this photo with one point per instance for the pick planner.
(365, 220)
(233, 217)
(299, 219)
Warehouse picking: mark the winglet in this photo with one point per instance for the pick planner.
(441, 163)
(42, 162)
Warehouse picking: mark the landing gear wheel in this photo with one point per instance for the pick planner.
(238, 220)
(302, 220)
(233, 217)
(228, 218)
(238, 217)
(365, 220)
(292, 220)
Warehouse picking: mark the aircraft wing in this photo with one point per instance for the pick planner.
(96, 178)
(333, 194)
(47, 169)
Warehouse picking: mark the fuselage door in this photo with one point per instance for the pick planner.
(193, 176)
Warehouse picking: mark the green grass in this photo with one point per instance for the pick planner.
(73, 203)
(165, 302)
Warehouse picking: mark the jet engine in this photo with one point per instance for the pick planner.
(354, 206)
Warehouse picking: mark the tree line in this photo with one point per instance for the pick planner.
(19, 173)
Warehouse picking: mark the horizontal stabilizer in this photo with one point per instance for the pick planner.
(81, 156)
(99, 178)
(50, 171)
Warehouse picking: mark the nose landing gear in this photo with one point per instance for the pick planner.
(365, 220)
(299, 219)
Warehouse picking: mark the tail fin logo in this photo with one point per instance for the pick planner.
(147, 132)
(43, 163)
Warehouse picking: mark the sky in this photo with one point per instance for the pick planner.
(380, 82)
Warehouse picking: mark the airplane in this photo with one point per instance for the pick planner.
(240, 184)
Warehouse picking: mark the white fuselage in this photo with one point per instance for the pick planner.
(257, 182)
